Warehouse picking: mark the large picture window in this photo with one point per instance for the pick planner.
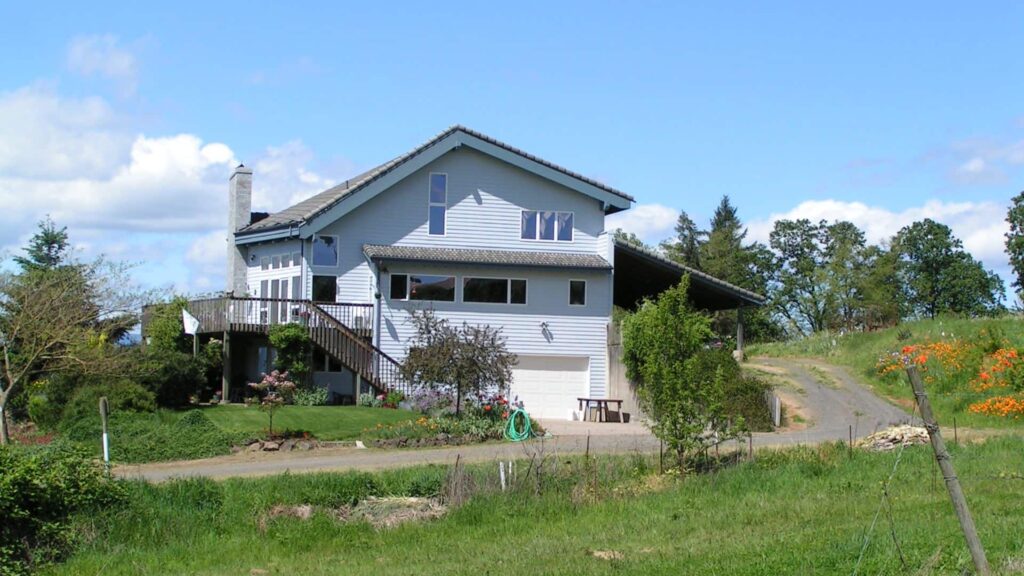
(546, 225)
(494, 290)
(325, 251)
(423, 287)
(438, 204)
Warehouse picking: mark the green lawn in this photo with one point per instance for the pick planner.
(323, 422)
(802, 511)
(860, 351)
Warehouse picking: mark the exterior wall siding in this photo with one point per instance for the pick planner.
(571, 330)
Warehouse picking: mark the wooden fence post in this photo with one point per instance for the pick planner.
(956, 494)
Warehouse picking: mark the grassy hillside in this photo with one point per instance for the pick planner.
(800, 511)
(965, 362)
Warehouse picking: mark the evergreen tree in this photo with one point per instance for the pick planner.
(722, 254)
(48, 248)
(685, 249)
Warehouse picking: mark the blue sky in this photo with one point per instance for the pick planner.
(123, 123)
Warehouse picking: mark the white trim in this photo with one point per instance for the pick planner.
(569, 294)
(508, 285)
(431, 204)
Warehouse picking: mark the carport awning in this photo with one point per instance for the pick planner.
(641, 273)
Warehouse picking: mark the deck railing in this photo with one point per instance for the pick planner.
(344, 340)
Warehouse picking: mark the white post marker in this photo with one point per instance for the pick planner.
(106, 442)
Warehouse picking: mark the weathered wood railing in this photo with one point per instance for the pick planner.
(326, 328)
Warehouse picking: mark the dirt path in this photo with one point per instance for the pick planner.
(826, 396)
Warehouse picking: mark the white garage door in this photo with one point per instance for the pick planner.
(549, 385)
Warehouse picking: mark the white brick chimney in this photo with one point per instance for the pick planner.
(239, 215)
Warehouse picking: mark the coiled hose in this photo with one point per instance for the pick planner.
(518, 434)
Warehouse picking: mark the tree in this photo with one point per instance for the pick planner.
(457, 360)
(1015, 240)
(685, 249)
(292, 344)
(275, 389)
(662, 342)
(939, 276)
(628, 238)
(883, 299)
(46, 249)
(722, 254)
(56, 319)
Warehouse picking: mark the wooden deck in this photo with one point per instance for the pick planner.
(340, 329)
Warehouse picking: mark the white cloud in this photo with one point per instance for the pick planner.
(45, 135)
(156, 199)
(101, 55)
(651, 222)
(980, 225)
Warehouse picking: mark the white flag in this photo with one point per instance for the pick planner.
(190, 321)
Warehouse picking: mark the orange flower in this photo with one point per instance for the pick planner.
(487, 408)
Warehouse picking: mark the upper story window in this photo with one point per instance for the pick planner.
(325, 250)
(422, 287)
(285, 261)
(437, 203)
(494, 290)
(546, 225)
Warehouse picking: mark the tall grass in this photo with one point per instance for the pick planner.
(798, 511)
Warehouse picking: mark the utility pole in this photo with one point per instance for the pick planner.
(956, 494)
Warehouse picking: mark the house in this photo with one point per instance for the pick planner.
(475, 229)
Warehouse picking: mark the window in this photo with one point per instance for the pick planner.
(577, 293)
(494, 290)
(264, 263)
(275, 262)
(421, 287)
(286, 261)
(438, 203)
(296, 259)
(546, 225)
(399, 286)
(325, 288)
(325, 250)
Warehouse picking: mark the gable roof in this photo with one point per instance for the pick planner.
(375, 180)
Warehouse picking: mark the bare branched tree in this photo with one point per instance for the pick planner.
(64, 318)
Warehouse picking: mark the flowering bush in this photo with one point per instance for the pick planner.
(432, 402)
(1004, 406)
(491, 406)
(1000, 369)
(274, 391)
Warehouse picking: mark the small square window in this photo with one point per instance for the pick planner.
(577, 293)
(547, 225)
(565, 226)
(286, 261)
(296, 259)
(399, 286)
(275, 262)
(325, 288)
(325, 250)
(529, 225)
(265, 263)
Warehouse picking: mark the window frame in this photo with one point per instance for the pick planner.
(408, 286)
(337, 254)
(558, 227)
(508, 286)
(569, 285)
(431, 204)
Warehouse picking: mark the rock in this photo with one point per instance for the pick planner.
(360, 445)
(287, 445)
(254, 447)
(271, 446)
(894, 437)
(236, 449)
(303, 445)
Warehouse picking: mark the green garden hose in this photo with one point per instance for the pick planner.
(511, 433)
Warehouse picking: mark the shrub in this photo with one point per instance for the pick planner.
(291, 341)
(39, 491)
(43, 412)
(80, 419)
(430, 402)
(172, 376)
(393, 398)
(366, 399)
(311, 397)
(138, 437)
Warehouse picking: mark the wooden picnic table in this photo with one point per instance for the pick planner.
(602, 407)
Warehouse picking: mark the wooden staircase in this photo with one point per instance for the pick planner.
(347, 345)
